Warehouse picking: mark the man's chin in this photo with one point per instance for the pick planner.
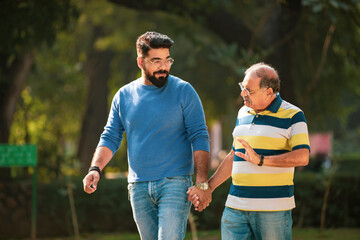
(158, 82)
(247, 103)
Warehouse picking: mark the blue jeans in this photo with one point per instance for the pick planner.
(259, 225)
(160, 208)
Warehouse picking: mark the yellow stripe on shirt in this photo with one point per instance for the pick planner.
(263, 142)
(299, 139)
(282, 113)
(279, 179)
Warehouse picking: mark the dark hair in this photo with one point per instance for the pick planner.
(150, 40)
(268, 75)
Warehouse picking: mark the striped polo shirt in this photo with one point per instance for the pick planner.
(281, 128)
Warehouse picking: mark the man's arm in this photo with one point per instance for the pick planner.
(222, 173)
(298, 157)
(101, 158)
(201, 160)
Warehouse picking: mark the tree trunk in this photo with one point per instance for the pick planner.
(278, 35)
(97, 68)
(11, 86)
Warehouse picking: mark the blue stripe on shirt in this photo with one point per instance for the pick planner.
(262, 192)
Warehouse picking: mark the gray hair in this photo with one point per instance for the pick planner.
(268, 75)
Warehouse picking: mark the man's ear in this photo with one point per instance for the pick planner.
(140, 62)
(269, 91)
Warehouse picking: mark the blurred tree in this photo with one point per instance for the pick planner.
(312, 43)
(25, 25)
(307, 41)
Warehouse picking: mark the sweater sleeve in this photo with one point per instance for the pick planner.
(194, 118)
(114, 129)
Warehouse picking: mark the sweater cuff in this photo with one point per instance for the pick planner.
(201, 145)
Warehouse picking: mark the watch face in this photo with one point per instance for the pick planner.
(202, 186)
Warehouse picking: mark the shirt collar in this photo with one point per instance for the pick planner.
(273, 107)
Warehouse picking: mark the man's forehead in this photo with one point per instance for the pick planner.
(251, 79)
(158, 53)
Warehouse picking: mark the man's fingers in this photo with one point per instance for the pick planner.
(240, 154)
(243, 142)
(196, 204)
(90, 183)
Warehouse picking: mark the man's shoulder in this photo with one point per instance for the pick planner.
(177, 81)
(129, 86)
(179, 84)
(289, 106)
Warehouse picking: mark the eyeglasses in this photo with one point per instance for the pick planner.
(247, 91)
(158, 63)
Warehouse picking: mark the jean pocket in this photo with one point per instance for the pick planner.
(130, 187)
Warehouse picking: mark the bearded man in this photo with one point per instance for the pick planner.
(166, 135)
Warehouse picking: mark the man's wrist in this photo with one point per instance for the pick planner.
(95, 168)
(203, 185)
(261, 160)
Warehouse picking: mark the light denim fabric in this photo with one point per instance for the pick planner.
(259, 225)
(160, 208)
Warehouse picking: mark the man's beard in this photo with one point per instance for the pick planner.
(158, 82)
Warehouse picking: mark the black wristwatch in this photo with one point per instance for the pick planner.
(95, 168)
(261, 160)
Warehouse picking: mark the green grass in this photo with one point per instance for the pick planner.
(298, 234)
(328, 234)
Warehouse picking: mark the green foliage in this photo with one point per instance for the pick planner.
(325, 74)
(29, 23)
(50, 109)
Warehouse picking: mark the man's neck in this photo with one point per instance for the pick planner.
(144, 81)
(272, 99)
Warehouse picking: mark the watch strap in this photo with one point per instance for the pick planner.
(95, 168)
(261, 160)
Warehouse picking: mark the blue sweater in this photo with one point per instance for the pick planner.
(163, 127)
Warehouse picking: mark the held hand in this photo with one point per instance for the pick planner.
(250, 155)
(200, 198)
(90, 182)
(193, 197)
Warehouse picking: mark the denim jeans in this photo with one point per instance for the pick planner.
(160, 208)
(259, 225)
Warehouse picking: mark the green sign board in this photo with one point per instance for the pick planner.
(18, 155)
(22, 156)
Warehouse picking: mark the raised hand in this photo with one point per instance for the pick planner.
(250, 155)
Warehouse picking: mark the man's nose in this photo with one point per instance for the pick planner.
(243, 93)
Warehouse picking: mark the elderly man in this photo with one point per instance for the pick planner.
(270, 139)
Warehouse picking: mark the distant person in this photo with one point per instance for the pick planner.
(166, 134)
(270, 139)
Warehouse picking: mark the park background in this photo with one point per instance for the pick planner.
(61, 62)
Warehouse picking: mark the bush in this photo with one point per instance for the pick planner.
(108, 209)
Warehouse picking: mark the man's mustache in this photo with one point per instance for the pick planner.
(247, 99)
(162, 71)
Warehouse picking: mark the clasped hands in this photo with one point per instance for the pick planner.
(199, 198)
